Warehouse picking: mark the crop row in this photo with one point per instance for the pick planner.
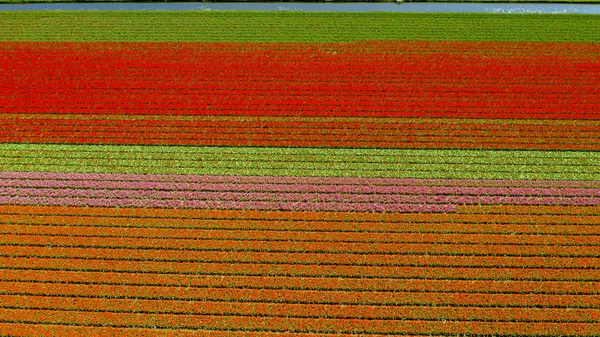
(317, 123)
(283, 27)
(183, 307)
(294, 258)
(302, 162)
(407, 271)
(272, 201)
(325, 285)
(286, 140)
(443, 186)
(417, 244)
(297, 325)
(273, 184)
(321, 222)
(28, 328)
(430, 91)
(117, 128)
(360, 251)
(422, 298)
(504, 214)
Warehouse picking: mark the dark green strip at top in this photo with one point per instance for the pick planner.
(237, 26)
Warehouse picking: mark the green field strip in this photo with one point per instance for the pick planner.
(478, 164)
(273, 164)
(238, 26)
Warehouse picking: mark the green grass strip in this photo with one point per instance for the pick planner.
(238, 26)
(401, 163)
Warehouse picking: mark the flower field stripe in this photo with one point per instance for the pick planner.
(521, 214)
(265, 194)
(286, 283)
(142, 240)
(273, 184)
(393, 163)
(301, 258)
(295, 310)
(357, 132)
(80, 261)
(532, 82)
(277, 324)
(367, 298)
(359, 184)
(242, 26)
(299, 174)
(457, 237)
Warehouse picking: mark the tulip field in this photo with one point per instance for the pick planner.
(294, 174)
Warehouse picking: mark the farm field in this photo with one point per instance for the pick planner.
(293, 174)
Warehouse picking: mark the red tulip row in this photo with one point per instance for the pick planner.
(297, 310)
(339, 258)
(209, 229)
(470, 214)
(365, 250)
(438, 135)
(295, 325)
(365, 298)
(307, 270)
(21, 329)
(464, 247)
(345, 84)
(456, 143)
(302, 283)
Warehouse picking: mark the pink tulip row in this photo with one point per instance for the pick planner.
(158, 186)
(228, 204)
(339, 198)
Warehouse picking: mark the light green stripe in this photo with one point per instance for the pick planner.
(401, 163)
(237, 26)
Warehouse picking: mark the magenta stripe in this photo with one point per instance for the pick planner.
(15, 186)
(285, 193)
(301, 180)
(216, 204)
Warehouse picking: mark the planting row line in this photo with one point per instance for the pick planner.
(242, 240)
(490, 101)
(281, 202)
(418, 245)
(35, 179)
(116, 151)
(196, 228)
(303, 122)
(344, 250)
(117, 129)
(250, 323)
(416, 142)
(324, 285)
(24, 250)
(415, 171)
(302, 162)
(504, 214)
(334, 124)
(390, 298)
(419, 47)
(283, 27)
(273, 184)
(441, 110)
(299, 270)
(183, 307)
(247, 158)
